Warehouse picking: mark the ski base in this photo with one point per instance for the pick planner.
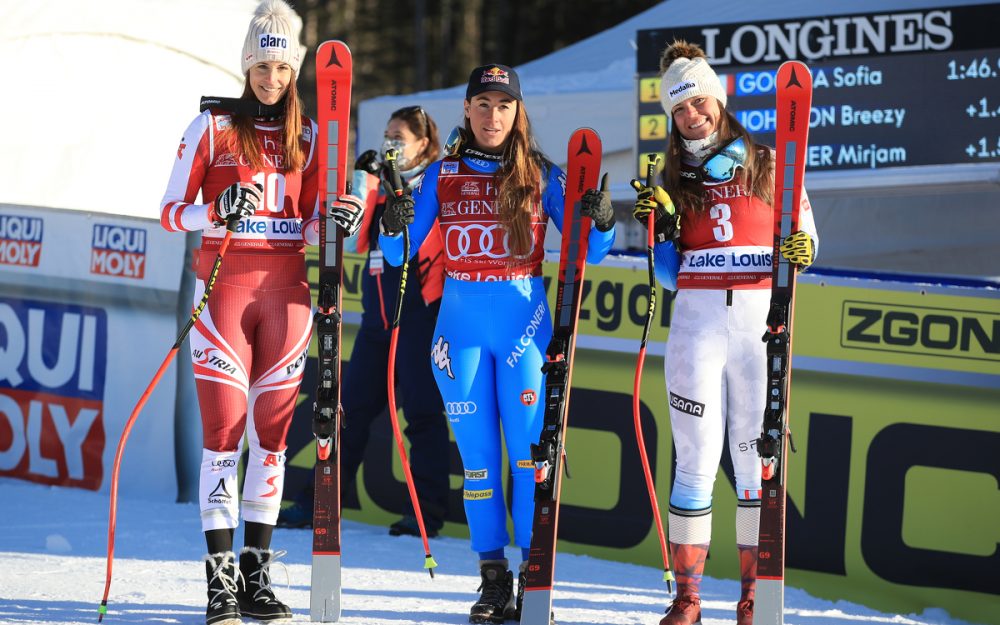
(537, 606)
(769, 601)
(324, 598)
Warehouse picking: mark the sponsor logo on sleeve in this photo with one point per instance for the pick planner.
(449, 167)
(53, 359)
(528, 397)
(20, 240)
(118, 251)
(525, 464)
(689, 406)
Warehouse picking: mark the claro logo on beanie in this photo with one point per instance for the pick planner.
(269, 40)
(495, 74)
(679, 90)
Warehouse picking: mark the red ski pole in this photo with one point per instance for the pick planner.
(396, 188)
(668, 576)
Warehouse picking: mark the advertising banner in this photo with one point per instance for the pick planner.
(86, 301)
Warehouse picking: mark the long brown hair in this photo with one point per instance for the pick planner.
(519, 181)
(422, 126)
(758, 168)
(244, 139)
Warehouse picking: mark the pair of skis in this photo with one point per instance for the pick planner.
(794, 101)
(333, 103)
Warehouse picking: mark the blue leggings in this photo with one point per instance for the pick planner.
(488, 350)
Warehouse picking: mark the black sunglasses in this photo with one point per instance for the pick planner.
(407, 111)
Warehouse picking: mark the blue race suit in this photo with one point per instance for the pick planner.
(491, 333)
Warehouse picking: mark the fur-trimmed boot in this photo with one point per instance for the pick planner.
(496, 603)
(223, 607)
(256, 599)
(689, 565)
(748, 579)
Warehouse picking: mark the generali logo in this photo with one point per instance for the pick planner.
(118, 251)
(20, 240)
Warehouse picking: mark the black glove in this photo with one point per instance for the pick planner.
(368, 162)
(398, 214)
(666, 221)
(597, 205)
(238, 200)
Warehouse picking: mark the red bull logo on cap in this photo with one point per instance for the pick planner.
(495, 74)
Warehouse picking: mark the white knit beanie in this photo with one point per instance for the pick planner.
(688, 75)
(273, 36)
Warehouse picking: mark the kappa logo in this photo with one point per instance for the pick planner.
(476, 474)
(689, 406)
(440, 357)
(528, 397)
(220, 494)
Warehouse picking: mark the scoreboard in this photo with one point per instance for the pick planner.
(896, 89)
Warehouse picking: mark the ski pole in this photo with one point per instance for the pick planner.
(668, 576)
(113, 513)
(394, 186)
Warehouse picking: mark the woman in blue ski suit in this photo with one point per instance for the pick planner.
(492, 198)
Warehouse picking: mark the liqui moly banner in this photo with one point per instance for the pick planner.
(76, 351)
(102, 248)
(53, 362)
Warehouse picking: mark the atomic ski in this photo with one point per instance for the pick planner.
(582, 171)
(333, 104)
(793, 106)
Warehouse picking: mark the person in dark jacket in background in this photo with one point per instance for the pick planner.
(415, 135)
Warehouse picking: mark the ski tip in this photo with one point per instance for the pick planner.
(430, 564)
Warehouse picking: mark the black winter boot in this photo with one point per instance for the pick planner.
(223, 607)
(496, 603)
(256, 598)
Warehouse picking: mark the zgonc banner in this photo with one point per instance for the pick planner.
(893, 489)
(85, 301)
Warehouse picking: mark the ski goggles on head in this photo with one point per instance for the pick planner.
(721, 166)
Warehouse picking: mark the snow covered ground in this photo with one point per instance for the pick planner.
(52, 570)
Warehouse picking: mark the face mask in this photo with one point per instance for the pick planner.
(395, 144)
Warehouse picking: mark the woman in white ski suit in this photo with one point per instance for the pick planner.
(716, 252)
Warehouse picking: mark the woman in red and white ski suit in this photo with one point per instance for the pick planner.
(716, 252)
(249, 345)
